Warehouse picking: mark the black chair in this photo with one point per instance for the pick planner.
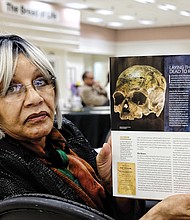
(46, 207)
(150, 204)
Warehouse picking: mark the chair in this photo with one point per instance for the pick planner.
(46, 207)
(150, 204)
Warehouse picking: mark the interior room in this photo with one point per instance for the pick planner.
(83, 35)
(76, 42)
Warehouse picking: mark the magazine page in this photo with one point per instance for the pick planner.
(150, 124)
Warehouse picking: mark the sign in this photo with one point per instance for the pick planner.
(42, 12)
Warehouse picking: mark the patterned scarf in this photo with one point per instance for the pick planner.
(71, 168)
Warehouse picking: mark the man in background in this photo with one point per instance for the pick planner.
(91, 93)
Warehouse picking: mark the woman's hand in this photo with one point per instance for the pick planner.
(175, 207)
(104, 162)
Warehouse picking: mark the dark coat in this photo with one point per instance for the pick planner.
(21, 171)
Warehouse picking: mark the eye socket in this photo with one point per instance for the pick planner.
(139, 98)
(118, 98)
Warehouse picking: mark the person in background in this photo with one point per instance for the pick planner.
(107, 85)
(91, 93)
(42, 152)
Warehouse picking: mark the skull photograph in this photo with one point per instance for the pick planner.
(140, 90)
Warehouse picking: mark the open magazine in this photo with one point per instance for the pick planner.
(150, 124)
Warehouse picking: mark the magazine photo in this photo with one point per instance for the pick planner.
(150, 124)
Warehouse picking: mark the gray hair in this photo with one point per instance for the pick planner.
(10, 48)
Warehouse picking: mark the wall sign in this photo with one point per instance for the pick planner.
(42, 12)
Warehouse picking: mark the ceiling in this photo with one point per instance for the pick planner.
(149, 12)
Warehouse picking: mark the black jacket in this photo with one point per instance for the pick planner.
(21, 171)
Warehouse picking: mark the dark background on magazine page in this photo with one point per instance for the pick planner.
(146, 123)
(177, 60)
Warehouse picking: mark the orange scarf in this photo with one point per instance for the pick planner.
(78, 167)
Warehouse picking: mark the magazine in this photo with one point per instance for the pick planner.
(150, 124)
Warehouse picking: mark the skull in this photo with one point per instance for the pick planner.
(140, 90)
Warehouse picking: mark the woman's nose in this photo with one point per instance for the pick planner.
(32, 97)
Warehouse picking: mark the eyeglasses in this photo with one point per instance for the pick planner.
(17, 92)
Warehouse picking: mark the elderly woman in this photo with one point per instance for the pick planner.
(43, 154)
(38, 153)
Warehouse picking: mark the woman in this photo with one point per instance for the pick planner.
(41, 154)
(38, 153)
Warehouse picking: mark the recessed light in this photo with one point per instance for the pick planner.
(76, 5)
(94, 20)
(115, 24)
(167, 7)
(185, 13)
(127, 17)
(145, 1)
(104, 12)
(146, 22)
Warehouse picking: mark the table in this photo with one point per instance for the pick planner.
(94, 123)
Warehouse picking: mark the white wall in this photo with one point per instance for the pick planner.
(156, 47)
(68, 61)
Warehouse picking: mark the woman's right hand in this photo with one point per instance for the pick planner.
(104, 162)
(175, 207)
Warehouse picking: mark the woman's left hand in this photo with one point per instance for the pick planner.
(175, 207)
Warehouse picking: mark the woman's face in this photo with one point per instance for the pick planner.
(31, 118)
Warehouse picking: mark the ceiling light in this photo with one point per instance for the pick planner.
(75, 5)
(95, 20)
(167, 7)
(145, 1)
(127, 17)
(146, 22)
(185, 13)
(115, 24)
(104, 12)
